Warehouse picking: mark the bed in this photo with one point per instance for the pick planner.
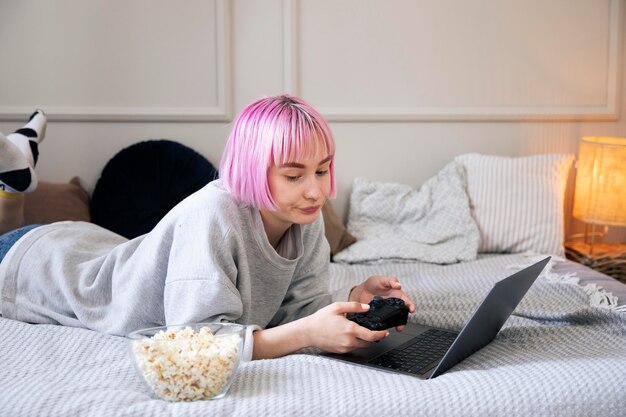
(562, 352)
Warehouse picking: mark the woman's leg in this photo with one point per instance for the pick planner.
(11, 211)
(18, 155)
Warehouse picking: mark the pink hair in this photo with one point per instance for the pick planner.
(272, 131)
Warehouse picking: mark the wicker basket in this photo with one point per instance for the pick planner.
(610, 259)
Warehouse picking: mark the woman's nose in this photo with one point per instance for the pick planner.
(313, 191)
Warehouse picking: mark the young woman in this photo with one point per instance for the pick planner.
(247, 248)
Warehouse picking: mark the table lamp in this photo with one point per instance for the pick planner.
(600, 193)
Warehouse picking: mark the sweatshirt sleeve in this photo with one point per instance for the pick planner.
(201, 277)
(206, 299)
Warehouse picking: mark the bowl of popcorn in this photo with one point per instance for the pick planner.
(188, 362)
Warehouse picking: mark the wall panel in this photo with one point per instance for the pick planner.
(414, 60)
(116, 60)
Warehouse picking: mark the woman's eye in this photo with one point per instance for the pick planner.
(292, 177)
(321, 173)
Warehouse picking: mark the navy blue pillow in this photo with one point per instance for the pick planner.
(144, 181)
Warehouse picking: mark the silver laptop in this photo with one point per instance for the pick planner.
(427, 352)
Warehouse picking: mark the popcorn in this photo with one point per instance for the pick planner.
(182, 365)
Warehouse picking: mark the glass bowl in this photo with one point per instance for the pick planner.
(188, 362)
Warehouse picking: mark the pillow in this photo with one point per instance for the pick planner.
(51, 202)
(143, 182)
(518, 202)
(395, 221)
(337, 235)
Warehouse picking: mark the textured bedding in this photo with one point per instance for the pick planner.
(557, 355)
(397, 222)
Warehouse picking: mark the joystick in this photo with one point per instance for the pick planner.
(383, 314)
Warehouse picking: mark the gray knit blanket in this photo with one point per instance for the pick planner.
(558, 355)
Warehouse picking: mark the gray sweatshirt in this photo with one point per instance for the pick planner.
(208, 259)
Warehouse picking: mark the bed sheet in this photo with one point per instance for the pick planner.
(557, 355)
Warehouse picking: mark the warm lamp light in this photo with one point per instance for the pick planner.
(600, 195)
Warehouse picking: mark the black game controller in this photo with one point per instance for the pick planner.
(383, 314)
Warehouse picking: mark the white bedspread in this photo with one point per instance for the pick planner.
(556, 356)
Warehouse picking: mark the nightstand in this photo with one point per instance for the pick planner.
(608, 258)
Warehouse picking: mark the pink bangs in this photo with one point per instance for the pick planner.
(272, 131)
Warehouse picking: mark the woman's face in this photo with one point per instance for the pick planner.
(299, 189)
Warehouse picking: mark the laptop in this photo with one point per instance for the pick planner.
(427, 352)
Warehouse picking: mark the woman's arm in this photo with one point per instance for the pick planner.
(327, 329)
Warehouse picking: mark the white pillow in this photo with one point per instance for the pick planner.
(518, 202)
(395, 221)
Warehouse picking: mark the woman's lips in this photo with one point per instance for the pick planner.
(310, 210)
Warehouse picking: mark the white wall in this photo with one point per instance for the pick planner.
(406, 84)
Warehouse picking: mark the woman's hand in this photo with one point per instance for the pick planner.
(383, 286)
(330, 330)
(327, 329)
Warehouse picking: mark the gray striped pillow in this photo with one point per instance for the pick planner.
(517, 203)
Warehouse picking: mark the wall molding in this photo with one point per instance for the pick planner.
(608, 111)
(222, 112)
(290, 46)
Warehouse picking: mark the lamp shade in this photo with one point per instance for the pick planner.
(600, 194)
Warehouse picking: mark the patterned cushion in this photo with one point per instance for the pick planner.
(395, 221)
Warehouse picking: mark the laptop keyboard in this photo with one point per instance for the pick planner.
(419, 354)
